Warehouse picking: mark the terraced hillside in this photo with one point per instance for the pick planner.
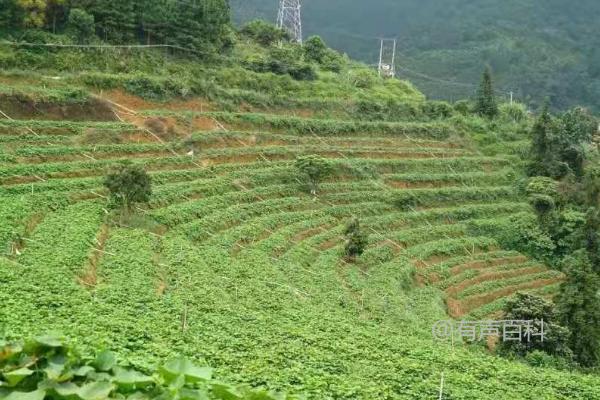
(234, 262)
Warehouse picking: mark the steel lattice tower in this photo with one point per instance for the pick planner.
(387, 58)
(289, 18)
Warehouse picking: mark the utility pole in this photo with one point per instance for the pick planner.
(387, 58)
(289, 18)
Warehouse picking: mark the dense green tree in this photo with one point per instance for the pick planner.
(11, 15)
(558, 144)
(81, 25)
(356, 240)
(56, 14)
(201, 26)
(197, 25)
(314, 168)
(544, 159)
(485, 104)
(579, 307)
(591, 185)
(578, 126)
(543, 313)
(114, 20)
(541, 143)
(34, 12)
(128, 186)
(568, 213)
(591, 237)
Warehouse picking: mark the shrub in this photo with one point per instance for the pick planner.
(332, 61)
(314, 168)
(537, 358)
(520, 232)
(96, 136)
(128, 185)
(363, 78)
(155, 88)
(264, 33)
(281, 61)
(315, 49)
(406, 202)
(515, 112)
(543, 204)
(541, 185)
(463, 107)
(303, 72)
(437, 109)
(356, 240)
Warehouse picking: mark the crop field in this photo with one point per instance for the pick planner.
(233, 262)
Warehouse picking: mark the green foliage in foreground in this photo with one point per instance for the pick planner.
(45, 368)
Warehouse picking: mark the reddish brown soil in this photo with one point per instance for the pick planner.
(89, 276)
(22, 108)
(138, 104)
(487, 264)
(454, 290)
(458, 308)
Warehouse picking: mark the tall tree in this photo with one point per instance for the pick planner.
(81, 25)
(356, 240)
(11, 15)
(486, 102)
(115, 20)
(56, 14)
(34, 12)
(198, 25)
(540, 145)
(579, 306)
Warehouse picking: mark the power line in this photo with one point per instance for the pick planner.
(428, 77)
(508, 93)
(104, 46)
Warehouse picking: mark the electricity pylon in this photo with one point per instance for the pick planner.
(387, 58)
(290, 19)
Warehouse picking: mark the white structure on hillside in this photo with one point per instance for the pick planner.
(290, 18)
(387, 58)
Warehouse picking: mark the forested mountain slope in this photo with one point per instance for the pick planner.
(537, 48)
